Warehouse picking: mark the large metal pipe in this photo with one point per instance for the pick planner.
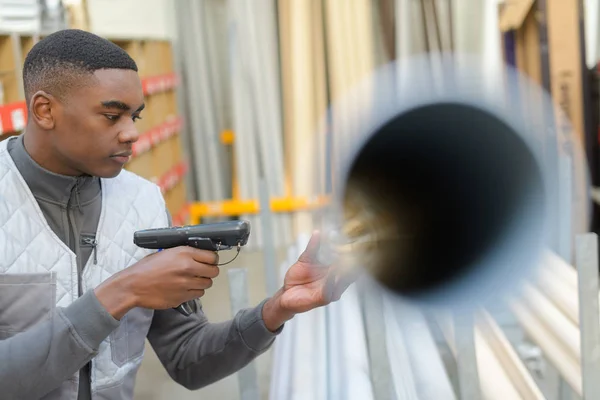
(441, 182)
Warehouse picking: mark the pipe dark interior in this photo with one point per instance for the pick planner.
(452, 177)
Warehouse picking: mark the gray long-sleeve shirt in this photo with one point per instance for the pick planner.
(194, 351)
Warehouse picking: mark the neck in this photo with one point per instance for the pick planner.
(48, 185)
(40, 150)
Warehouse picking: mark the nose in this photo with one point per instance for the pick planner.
(129, 134)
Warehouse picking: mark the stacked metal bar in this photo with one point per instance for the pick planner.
(20, 16)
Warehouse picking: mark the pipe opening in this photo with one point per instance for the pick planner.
(433, 191)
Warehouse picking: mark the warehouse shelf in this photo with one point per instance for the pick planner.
(157, 135)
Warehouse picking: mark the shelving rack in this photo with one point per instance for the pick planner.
(158, 152)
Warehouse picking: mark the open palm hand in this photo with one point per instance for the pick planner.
(309, 284)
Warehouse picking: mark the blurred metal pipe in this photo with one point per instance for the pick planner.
(466, 357)
(200, 105)
(555, 321)
(589, 320)
(521, 379)
(269, 243)
(191, 105)
(263, 75)
(553, 348)
(386, 12)
(375, 325)
(502, 374)
(415, 361)
(243, 116)
(560, 292)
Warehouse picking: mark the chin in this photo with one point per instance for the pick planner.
(107, 173)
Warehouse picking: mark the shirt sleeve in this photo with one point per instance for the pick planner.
(197, 353)
(54, 350)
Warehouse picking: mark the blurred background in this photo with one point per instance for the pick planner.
(236, 126)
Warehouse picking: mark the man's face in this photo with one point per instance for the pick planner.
(94, 129)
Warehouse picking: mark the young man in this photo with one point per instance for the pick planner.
(77, 297)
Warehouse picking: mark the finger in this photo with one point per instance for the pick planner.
(207, 271)
(197, 293)
(201, 284)
(204, 256)
(312, 249)
(194, 269)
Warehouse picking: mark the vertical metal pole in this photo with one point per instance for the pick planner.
(589, 319)
(194, 106)
(181, 24)
(565, 390)
(266, 219)
(466, 357)
(375, 331)
(565, 208)
(238, 293)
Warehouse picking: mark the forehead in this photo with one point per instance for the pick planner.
(115, 84)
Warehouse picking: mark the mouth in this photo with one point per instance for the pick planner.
(122, 158)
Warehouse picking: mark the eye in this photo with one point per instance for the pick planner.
(136, 117)
(112, 117)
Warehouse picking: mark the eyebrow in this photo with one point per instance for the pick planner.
(120, 105)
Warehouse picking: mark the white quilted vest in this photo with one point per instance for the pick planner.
(28, 244)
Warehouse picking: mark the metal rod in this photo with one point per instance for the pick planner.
(238, 293)
(266, 219)
(466, 357)
(589, 319)
(565, 204)
(375, 331)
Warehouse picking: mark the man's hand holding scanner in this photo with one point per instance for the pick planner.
(160, 281)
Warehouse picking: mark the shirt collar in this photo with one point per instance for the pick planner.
(47, 185)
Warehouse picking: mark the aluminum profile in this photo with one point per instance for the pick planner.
(21, 16)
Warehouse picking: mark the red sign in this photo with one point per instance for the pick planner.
(13, 117)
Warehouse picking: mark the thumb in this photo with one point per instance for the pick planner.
(312, 249)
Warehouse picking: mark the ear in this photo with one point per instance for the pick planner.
(41, 107)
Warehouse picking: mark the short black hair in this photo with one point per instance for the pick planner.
(58, 62)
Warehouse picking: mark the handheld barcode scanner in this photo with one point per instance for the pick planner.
(214, 237)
